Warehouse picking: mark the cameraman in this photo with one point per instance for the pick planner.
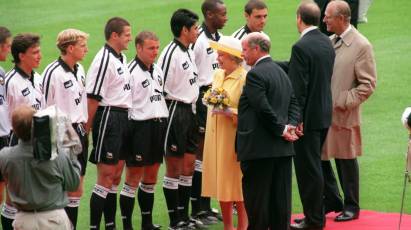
(38, 188)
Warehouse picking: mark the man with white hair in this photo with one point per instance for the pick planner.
(267, 106)
(353, 81)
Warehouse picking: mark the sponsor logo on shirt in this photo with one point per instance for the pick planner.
(139, 158)
(194, 79)
(126, 87)
(173, 148)
(68, 84)
(186, 65)
(78, 100)
(109, 155)
(209, 50)
(155, 98)
(215, 66)
(25, 92)
(37, 106)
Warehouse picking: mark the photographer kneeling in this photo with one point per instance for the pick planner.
(37, 187)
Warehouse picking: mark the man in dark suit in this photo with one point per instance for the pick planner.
(266, 109)
(310, 70)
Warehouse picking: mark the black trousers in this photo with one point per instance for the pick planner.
(267, 192)
(307, 162)
(348, 175)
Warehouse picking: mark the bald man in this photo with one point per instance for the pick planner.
(353, 81)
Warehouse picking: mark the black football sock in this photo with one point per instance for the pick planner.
(72, 210)
(127, 199)
(196, 189)
(170, 188)
(184, 191)
(97, 200)
(146, 202)
(110, 208)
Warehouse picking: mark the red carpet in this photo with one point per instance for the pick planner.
(369, 220)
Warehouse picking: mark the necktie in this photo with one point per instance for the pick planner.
(337, 38)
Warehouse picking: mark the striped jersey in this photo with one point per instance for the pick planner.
(147, 92)
(5, 126)
(23, 89)
(180, 72)
(66, 89)
(205, 56)
(108, 79)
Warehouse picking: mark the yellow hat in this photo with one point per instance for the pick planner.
(229, 45)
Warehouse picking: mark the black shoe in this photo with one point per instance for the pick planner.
(151, 227)
(299, 220)
(305, 226)
(347, 216)
(328, 210)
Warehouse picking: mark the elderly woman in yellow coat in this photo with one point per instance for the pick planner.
(221, 170)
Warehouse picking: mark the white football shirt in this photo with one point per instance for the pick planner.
(65, 88)
(5, 126)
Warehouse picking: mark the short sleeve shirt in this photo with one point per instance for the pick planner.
(65, 88)
(108, 79)
(23, 89)
(180, 73)
(147, 92)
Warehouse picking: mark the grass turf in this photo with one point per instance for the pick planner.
(384, 139)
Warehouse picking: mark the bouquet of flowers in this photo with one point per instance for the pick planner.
(218, 99)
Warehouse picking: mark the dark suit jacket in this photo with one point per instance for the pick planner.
(266, 105)
(310, 70)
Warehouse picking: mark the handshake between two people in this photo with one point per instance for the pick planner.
(293, 133)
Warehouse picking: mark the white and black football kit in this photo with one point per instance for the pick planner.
(22, 89)
(147, 116)
(181, 90)
(66, 89)
(206, 61)
(108, 81)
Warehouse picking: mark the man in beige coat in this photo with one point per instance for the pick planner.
(353, 81)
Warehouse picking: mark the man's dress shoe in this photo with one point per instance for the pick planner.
(305, 226)
(327, 210)
(347, 216)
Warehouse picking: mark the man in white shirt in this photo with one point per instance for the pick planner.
(181, 88)
(64, 86)
(5, 127)
(215, 17)
(22, 87)
(146, 132)
(109, 98)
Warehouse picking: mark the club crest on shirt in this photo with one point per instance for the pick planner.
(1, 80)
(209, 50)
(25, 92)
(160, 81)
(120, 71)
(109, 155)
(186, 65)
(145, 83)
(173, 148)
(68, 84)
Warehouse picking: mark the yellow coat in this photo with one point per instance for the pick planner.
(221, 170)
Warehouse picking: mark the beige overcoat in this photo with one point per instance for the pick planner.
(353, 81)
